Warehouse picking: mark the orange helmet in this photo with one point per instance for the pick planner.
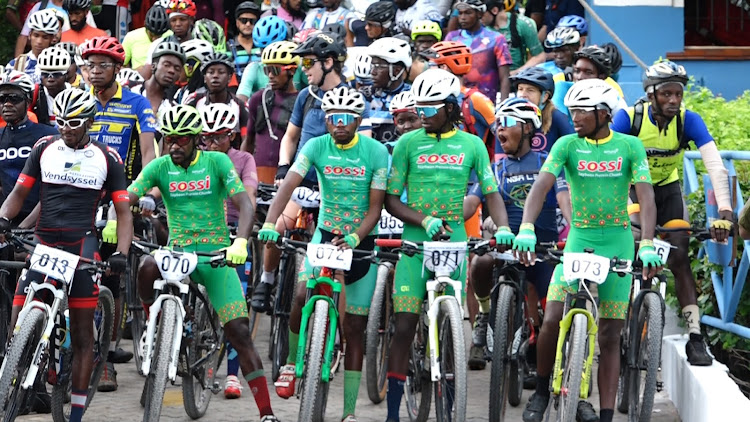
(453, 54)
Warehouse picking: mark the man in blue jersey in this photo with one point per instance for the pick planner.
(391, 59)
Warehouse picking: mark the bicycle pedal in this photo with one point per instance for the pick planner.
(216, 388)
(659, 386)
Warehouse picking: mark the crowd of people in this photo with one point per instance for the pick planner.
(465, 117)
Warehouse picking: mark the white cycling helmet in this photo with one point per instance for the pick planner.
(392, 50)
(435, 85)
(79, 55)
(126, 75)
(44, 21)
(561, 36)
(592, 93)
(74, 103)
(197, 48)
(218, 117)
(53, 59)
(21, 80)
(363, 67)
(344, 98)
(403, 101)
(521, 109)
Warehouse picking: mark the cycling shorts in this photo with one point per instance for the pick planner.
(84, 293)
(670, 204)
(359, 281)
(222, 285)
(410, 279)
(614, 293)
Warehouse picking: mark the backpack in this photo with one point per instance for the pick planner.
(466, 111)
(637, 123)
(262, 121)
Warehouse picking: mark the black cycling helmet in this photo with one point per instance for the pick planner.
(70, 5)
(536, 76)
(170, 48)
(615, 58)
(217, 58)
(291, 31)
(478, 5)
(336, 29)
(381, 12)
(247, 7)
(597, 55)
(322, 45)
(156, 20)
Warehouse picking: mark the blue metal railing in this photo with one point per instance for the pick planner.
(728, 285)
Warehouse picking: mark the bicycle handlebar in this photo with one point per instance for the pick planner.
(357, 254)
(217, 257)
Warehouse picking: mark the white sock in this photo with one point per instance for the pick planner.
(112, 346)
(691, 315)
(268, 277)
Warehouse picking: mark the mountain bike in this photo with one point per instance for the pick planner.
(380, 323)
(574, 355)
(319, 347)
(8, 277)
(640, 343)
(183, 334)
(438, 353)
(44, 317)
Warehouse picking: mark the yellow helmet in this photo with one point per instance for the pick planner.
(280, 52)
(426, 28)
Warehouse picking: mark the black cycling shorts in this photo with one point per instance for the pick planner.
(359, 268)
(670, 204)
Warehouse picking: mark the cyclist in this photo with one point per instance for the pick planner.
(430, 211)
(137, 43)
(665, 128)
(593, 62)
(517, 122)
(196, 52)
(43, 27)
(563, 41)
(405, 117)
(491, 58)
(197, 223)
(53, 64)
(268, 30)
(167, 61)
(77, 170)
(80, 30)
(352, 197)
(181, 14)
(525, 49)
(219, 126)
(378, 23)
(363, 75)
(599, 166)
(241, 46)
(272, 108)
(424, 34)
(391, 58)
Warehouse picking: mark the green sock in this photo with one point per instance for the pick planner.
(351, 391)
(293, 340)
(484, 304)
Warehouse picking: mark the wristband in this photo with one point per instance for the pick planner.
(647, 243)
(526, 226)
(241, 241)
(268, 226)
(355, 236)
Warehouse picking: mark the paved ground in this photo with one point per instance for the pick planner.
(123, 405)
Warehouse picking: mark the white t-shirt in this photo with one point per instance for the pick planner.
(422, 10)
(320, 17)
(26, 30)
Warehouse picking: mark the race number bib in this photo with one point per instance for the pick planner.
(586, 266)
(54, 263)
(175, 266)
(306, 197)
(662, 249)
(329, 256)
(443, 257)
(389, 225)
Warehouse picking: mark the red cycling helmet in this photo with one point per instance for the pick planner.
(185, 7)
(106, 46)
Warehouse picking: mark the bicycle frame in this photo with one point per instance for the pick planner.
(435, 295)
(154, 309)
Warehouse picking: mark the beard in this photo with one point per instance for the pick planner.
(78, 26)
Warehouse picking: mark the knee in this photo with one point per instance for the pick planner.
(609, 336)
(237, 332)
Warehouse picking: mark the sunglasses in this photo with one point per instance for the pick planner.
(102, 66)
(180, 140)
(507, 121)
(276, 70)
(345, 119)
(215, 138)
(580, 110)
(12, 98)
(429, 111)
(246, 21)
(53, 75)
(307, 62)
(74, 123)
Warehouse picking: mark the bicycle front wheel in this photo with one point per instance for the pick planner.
(17, 361)
(503, 331)
(198, 382)
(378, 336)
(647, 343)
(314, 390)
(573, 373)
(450, 389)
(161, 358)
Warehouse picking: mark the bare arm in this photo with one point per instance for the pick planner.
(471, 203)
(30, 221)
(533, 61)
(11, 15)
(148, 152)
(13, 203)
(504, 72)
(497, 208)
(245, 224)
(645, 194)
(401, 211)
(542, 34)
(289, 144)
(563, 201)
(252, 193)
(124, 226)
(291, 181)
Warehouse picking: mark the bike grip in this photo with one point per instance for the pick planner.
(387, 256)
(388, 243)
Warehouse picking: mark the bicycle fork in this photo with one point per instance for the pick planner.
(154, 310)
(327, 285)
(557, 371)
(433, 308)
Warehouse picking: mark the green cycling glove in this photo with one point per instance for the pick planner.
(268, 233)
(504, 237)
(237, 253)
(526, 239)
(647, 254)
(352, 240)
(109, 232)
(432, 225)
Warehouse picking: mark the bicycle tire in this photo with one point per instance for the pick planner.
(515, 381)
(135, 309)
(451, 398)
(572, 374)
(160, 361)
(378, 336)
(196, 398)
(104, 323)
(311, 399)
(649, 351)
(279, 344)
(256, 260)
(417, 388)
(17, 362)
(503, 338)
(622, 401)
(6, 306)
